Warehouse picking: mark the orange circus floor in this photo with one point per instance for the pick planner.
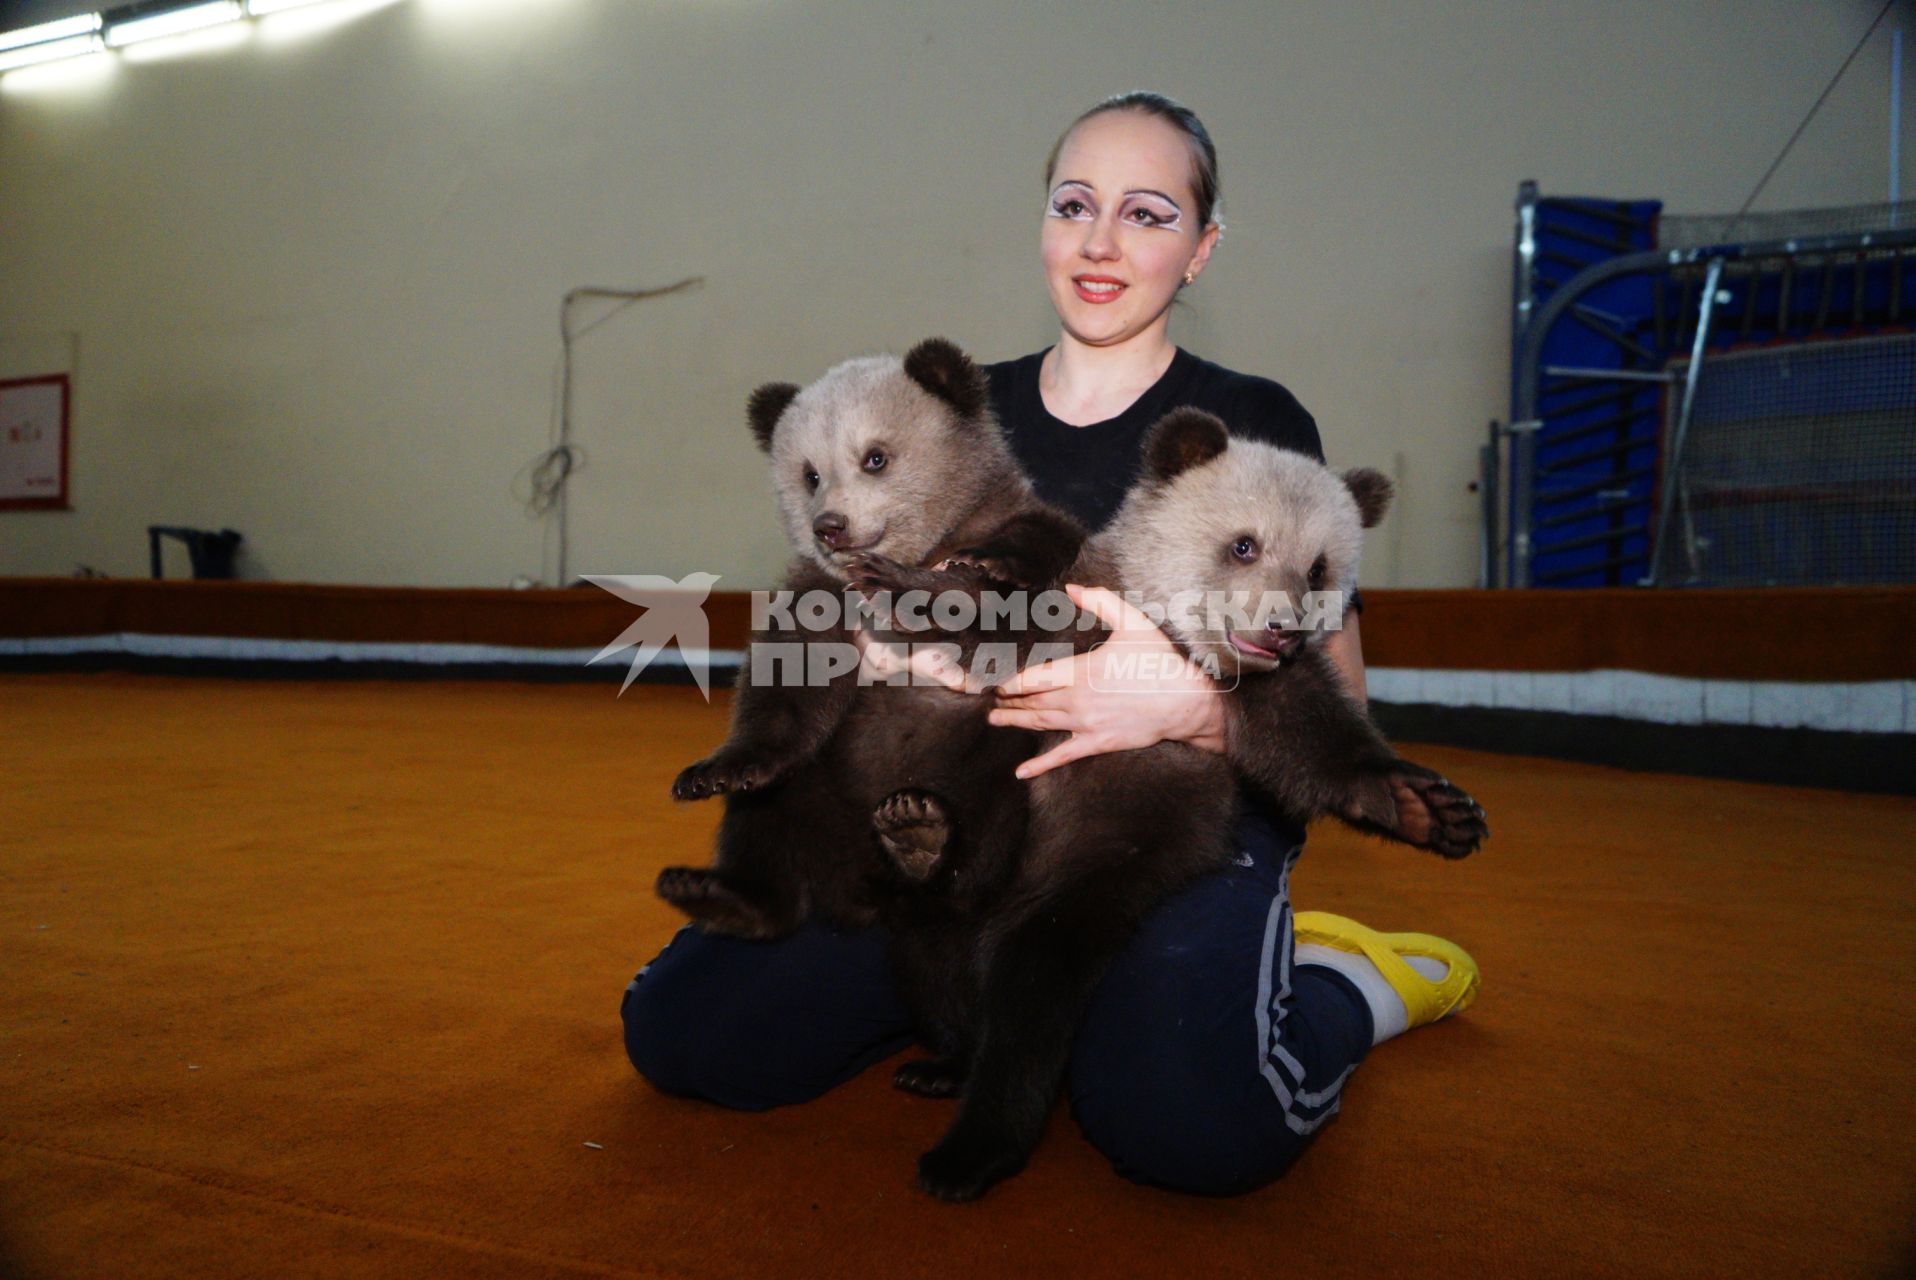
(321, 980)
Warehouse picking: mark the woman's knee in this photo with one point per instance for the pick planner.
(1166, 1077)
(743, 1024)
(669, 1037)
(1167, 1117)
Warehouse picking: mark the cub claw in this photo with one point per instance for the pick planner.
(988, 567)
(913, 829)
(1457, 825)
(929, 1078)
(711, 903)
(718, 775)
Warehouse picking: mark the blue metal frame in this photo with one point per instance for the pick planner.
(1598, 314)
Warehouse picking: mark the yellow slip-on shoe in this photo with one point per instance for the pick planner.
(1424, 1000)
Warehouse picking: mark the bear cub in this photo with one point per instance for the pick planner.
(890, 457)
(1109, 837)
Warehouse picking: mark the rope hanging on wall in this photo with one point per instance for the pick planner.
(552, 470)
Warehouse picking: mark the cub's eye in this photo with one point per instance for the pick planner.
(1245, 549)
(1317, 573)
(811, 479)
(876, 460)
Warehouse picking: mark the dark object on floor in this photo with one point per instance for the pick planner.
(211, 553)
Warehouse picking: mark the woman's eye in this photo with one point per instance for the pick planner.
(1317, 572)
(875, 460)
(811, 479)
(1144, 214)
(1070, 209)
(1245, 549)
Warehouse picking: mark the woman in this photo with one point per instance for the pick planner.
(1163, 1079)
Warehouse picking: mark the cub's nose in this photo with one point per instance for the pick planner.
(829, 528)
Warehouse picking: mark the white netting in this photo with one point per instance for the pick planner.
(1799, 467)
(1704, 230)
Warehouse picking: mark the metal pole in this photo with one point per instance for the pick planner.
(1523, 308)
(1895, 120)
(1523, 278)
(1673, 457)
(1487, 480)
(1523, 496)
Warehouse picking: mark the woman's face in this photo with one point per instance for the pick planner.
(1120, 227)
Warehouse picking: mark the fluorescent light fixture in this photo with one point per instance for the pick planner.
(260, 8)
(49, 51)
(46, 31)
(172, 22)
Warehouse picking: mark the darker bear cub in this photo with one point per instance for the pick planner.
(899, 459)
(1110, 836)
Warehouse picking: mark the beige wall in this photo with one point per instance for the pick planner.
(309, 282)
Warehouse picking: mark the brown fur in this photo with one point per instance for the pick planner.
(879, 456)
(1003, 974)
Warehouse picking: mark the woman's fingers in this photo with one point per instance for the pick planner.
(1059, 673)
(1030, 717)
(1076, 747)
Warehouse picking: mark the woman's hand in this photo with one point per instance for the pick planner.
(1134, 690)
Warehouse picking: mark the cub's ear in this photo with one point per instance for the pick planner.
(1373, 490)
(764, 409)
(948, 373)
(1182, 439)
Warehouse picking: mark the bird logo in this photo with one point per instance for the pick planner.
(674, 612)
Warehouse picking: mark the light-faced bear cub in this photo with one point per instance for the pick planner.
(900, 459)
(1110, 836)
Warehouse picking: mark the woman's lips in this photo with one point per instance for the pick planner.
(1098, 289)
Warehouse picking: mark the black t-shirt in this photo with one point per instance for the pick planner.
(1086, 470)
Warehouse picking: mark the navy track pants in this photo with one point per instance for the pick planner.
(1206, 1063)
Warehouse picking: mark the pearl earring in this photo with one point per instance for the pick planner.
(1189, 278)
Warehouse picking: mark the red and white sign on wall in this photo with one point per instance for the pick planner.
(33, 442)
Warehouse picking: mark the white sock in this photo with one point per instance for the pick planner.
(1387, 1013)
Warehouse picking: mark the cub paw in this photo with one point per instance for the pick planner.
(1434, 814)
(871, 572)
(711, 903)
(929, 1078)
(719, 774)
(912, 828)
(963, 1166)
(980, 564)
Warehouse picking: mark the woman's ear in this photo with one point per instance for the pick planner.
(1206, 243)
